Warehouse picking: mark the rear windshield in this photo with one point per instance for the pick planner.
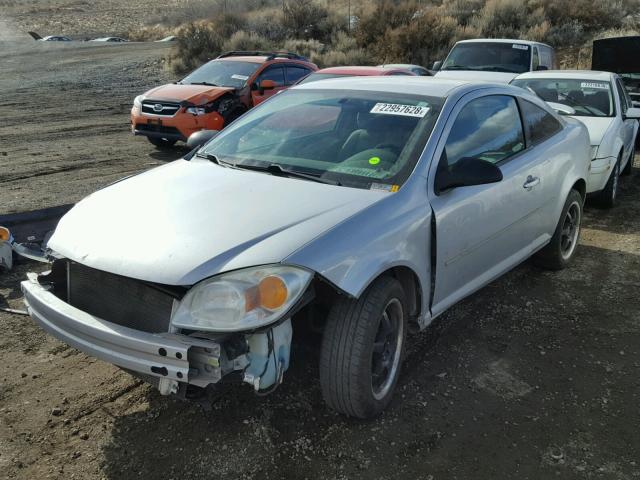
(222, 73)
(358, 138)
(589, 98)
(489, 57)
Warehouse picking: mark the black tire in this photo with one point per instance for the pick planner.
(348, 357)
(628, 168)
(162, 143)
(608, 197)
(558, 253)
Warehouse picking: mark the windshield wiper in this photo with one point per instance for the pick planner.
(212, 158)
(277, 170)
(209, 84)
(576, 103)
(499, 69)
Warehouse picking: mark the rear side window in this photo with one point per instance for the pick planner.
(273, 73)
(488, 128)
(536, 59)
(622, 93)
(295, 73)
(538, 123)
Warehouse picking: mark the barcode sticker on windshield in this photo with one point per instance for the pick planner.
(239, 77)
(520, 46)
(399, 109)
(600, 86)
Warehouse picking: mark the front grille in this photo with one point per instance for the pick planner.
(149, 127)
(167, 109)
(121, 300)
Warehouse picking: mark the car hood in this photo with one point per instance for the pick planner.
(182, 222)
(597, 127)
(196, 94)
(496, 77)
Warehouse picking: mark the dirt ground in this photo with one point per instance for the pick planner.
(536, 376)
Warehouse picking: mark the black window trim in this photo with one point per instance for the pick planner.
(297, 65)
(505, 160)
(528, 141)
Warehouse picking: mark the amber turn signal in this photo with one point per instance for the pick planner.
(5, 235)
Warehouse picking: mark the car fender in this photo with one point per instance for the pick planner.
(579, 147)
(394, 232)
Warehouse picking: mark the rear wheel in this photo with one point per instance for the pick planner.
(362, 349)
(162, 143)
(608, 197)
(562, 247)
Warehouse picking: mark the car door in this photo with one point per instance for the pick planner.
(272, 72)
(481, 231)
(630, 125)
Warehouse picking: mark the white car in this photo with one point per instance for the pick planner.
(600, 101)
(494, 59)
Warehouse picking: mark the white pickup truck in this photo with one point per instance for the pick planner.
(494, 60)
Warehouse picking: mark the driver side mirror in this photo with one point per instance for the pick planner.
(466, 172)
(436, 65)
(632, 113)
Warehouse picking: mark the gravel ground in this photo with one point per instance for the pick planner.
(534, 377)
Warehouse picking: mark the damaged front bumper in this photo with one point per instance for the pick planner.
(173, 358)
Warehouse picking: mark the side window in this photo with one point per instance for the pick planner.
(535, 63)
(273, 73)
(488, 128)
(538, 123)
(400, 73)
(622, 93)
(295, 73)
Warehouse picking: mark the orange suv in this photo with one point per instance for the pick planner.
(214, 94)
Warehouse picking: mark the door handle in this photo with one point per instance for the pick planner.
(531, 182)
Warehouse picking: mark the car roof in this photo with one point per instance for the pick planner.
(400, 65)
(502, 40)
(412, 85)
(355, 70)
(568, 74)
(263, 59)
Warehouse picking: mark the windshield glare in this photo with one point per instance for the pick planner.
(490, 57)
(359, 139)
(589, 98)
(222, 73)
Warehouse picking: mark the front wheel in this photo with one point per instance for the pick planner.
(562, 247)
(608, 197)
(362, 349)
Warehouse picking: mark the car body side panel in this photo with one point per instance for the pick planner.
(569, 161)
(355, 252)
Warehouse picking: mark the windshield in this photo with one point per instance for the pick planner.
(354, 138)
(314, 77)
(589, 98)
(489, 57)
(222, 73)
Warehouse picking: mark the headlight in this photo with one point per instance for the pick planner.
(196, 110)
(137, 102)
(594, 151)
(241, 300)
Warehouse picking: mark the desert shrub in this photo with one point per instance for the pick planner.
(462, 10)
(242, 40)
(149, 33)
(196, 43)
(374, 21)
(506, 18)
(591, 15)
(565, 34)
(421, 41)
(332, 58)
(306, 48)
(304, 18)
(267, 23)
